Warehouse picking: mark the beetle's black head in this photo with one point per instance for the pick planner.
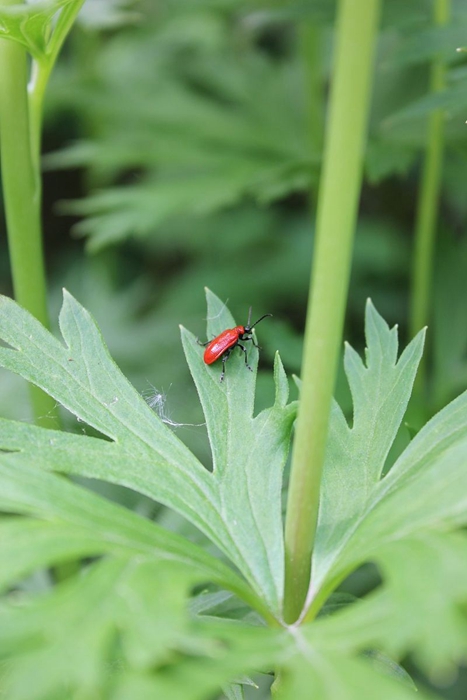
(249, 328)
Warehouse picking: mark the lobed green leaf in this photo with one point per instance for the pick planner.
(123, 628)
(249, 452)
(144, 454)
(356, 455)
(238, 505)
(75, 522)
(400, 521)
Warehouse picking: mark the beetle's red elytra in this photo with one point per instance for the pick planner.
(223, 344)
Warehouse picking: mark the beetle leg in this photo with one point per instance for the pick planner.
(251, 337)
(204, 344)
(255, 343)
(225, 357)
(243, 349)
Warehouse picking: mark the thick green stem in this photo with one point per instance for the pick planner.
(21, 189)
(428, 200)
(337, 210)
(40, 73)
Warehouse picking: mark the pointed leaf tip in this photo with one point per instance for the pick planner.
(280, 380)
(369, 306)
(297, 381)
(66, 293)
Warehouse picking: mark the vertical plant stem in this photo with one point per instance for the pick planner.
(428, 200)
(40, 73)
(337, 210)
(21, 189)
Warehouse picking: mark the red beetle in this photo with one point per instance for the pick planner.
(225, 342)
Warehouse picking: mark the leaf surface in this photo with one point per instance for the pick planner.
(249, 452)
(238, 506)
(123, 626)
(399, 520)
(356, 455)
(95, 526)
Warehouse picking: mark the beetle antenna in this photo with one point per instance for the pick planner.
(249, 317)
(260, 319)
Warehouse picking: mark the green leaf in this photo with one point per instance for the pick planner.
(137, 601)
(220, 604)
(386, 158)
(123, 628)
(144, 454)
(248, 452)
(424, 492)
(234, 692)
(408, 124)
(402, 520)
(420, 609)
(30, 24)
(114, 214)
(356, 455)
(330, 675)
(336, 602)
(425, 577)
(441, 42)
(75, 522)
(123, 624)
(425, 489)
(238, 506)
(28, 544)
(388, 666)
(200, 151)
(453, 99)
